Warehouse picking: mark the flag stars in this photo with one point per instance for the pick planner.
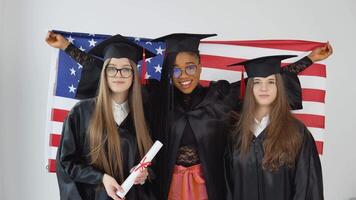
(148, 60)
(81, 48)
(70, 39)
(92, 42)
(137, 39)
(160, 50)
(80, 66)
(158, 68)
(147, 76)
(72, 71)
(149, 43)
(72, 88)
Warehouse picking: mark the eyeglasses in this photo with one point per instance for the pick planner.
(125, 72)
(189, 70)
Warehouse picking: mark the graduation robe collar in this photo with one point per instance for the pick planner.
(189, 101)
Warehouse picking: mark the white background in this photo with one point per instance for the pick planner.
(25, 60)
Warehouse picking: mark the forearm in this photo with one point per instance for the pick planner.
(298, 66)
(82, 57)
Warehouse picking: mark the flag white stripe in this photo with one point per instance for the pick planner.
(318, 133)
(63, 103)
(312, 108)
(57, 127)
(52, 153)
(313, 82)
(212, 74)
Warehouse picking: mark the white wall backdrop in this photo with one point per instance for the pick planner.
(25, 59)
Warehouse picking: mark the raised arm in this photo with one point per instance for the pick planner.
(318, 54)
(92, 66)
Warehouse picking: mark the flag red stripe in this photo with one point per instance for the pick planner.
(319, 147)
(313, 95)
(221, 62)
(51, 165)
(59, 115)
(54, 140)
(316, 121)
(314, 70)
(293, 45)
(204, 83)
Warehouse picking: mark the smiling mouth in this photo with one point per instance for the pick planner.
(185, 84)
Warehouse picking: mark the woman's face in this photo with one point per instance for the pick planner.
(265, 90)
(186, 72)
(119, 75)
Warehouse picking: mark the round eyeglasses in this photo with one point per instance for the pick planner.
(125, 72)
(189, 70)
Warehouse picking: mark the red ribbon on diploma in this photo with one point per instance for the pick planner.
(142, 165)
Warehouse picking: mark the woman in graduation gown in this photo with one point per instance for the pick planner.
(103, 138)
(271, 155)
(188, 118)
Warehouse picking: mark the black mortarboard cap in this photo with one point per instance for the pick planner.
(263, 66)
(180, 42)
(118, 46)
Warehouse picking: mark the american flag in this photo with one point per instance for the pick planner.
(215, 56)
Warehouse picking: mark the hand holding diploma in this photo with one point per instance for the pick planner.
(141, 178)
(111, 186)
(139, 169)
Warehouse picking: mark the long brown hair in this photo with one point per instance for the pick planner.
(105, 151)
(282, 142)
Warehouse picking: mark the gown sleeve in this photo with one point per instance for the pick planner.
(70, 161)
(308, 178)
(90, 75)
(298, 66)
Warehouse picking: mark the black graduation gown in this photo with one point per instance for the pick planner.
(246, 180)
(77, 179)
(207, 118)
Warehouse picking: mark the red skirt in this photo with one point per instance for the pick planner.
(188, 183)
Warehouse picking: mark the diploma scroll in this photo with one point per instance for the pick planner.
(145, 162)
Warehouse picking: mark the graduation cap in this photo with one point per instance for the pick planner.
(263, 66)
(118, 46)
(260, 67)
(180, 42)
